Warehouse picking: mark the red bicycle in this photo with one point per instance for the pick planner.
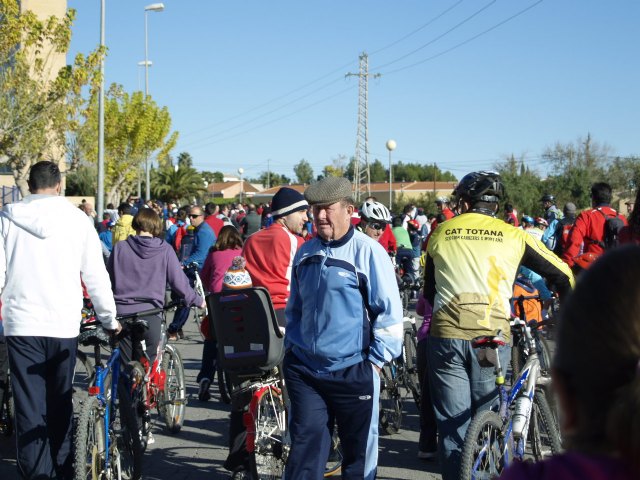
(160, 385)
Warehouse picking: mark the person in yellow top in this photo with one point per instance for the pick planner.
(471, 265)
(122, 229)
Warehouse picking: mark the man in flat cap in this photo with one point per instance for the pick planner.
(344, 321)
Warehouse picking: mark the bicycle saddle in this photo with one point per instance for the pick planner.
(489, 341)
(94, 336)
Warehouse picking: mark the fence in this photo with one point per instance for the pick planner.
(10, 195)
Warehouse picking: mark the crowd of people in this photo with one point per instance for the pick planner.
(328, 264)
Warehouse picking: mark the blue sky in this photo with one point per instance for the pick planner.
(251, 83)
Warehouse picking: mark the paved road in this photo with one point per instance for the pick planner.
(198, 451)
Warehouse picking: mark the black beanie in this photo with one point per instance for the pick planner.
(287, 201)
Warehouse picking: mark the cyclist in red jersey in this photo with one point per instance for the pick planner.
(588, 231)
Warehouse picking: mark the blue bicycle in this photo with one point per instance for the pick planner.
(108, 443)
(524, 423)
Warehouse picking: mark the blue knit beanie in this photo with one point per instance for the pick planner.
(287, 201)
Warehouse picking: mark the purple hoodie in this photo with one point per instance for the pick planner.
(571, 466)
(140, 268)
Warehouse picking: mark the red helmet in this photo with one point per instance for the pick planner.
(413, 224)
(541, 221)
(585, 260)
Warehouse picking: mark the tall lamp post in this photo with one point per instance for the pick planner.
(391, 146)
(154, 7)
(100, 193)
(241, 171)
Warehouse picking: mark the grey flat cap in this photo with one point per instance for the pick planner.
(328, 190)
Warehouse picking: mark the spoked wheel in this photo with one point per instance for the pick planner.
(90, 443)
(225, 385)
(269, 449)
(129, 440)
(7, 417)
(172, 403)
(411, 365)
(544, 435)
(390, 401)
(483, 448)
(334, 462)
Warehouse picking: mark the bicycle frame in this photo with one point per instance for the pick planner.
(98, 390)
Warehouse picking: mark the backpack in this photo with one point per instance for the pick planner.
(526, 297)
(612, 227)
(563, 229)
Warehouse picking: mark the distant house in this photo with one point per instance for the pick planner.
(400, 190)
(232, 189)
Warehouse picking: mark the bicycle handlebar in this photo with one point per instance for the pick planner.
(144, 313)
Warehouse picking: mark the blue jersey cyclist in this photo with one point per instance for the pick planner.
(344, 321)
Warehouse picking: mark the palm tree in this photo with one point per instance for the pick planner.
(177, 184)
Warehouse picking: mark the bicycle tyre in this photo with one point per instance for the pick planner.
(334, 462)
(173, 400)
(544, 435)
(225, 385)
(269, 454)
(84, 374)
(7, 411)
(130, 437)
(483, 447)
(135, 373)
(390, 402)
(412, 379)
(89, 443)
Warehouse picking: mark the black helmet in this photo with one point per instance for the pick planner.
(548, 198)
(481, 186)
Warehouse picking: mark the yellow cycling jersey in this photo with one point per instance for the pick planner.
(472, 261)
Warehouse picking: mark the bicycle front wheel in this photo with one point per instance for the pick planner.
(543, 432)
(89, 443)
(484, 447)
(130, 445)
(269, 450)
(173, 401)
(390, 401)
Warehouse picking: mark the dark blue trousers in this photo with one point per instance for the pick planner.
(351, 397)
(41, 378)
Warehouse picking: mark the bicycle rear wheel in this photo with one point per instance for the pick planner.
(172, 403)
(390, 401)
(544, 435)
(334, 462)
(412, 379)
(483, 448)
(268, 452)
(90, 444)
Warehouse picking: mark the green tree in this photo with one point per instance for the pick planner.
(82, 181)
(181, 185)
(275, 179)
(338, 167)
(135, 127)
(36, 111)
(213, 177)
(378, 172)
(303, 171)
(522, 186)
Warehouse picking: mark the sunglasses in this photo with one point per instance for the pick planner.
(193, 215)
(377, 226)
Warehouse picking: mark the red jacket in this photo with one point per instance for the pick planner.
(388, 240)
(269, 254)
(215, 223)
(587, 231)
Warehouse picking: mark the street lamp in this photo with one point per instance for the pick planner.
(143, 63)
(241, 171)
(100, 193)
(391, 145)
(154, 7)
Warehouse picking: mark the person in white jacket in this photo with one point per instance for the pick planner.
(46, 248)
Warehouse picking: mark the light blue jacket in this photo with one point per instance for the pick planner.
(344, 305)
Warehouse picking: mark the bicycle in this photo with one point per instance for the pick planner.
(107, 441)
(7, 418)
(251, 350)
(160, 385)
(524, 417)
